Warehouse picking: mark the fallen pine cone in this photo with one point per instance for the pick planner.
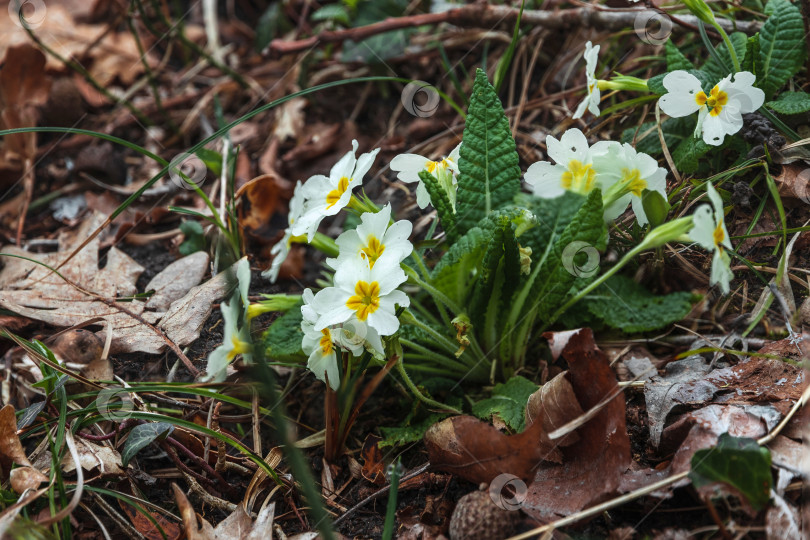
(477, 517)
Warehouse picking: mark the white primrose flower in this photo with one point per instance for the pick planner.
(236, 341)
(366, 292)
(720, 112)
(282, 248)
(373, 238)
(573, 170)
(710, 233)
(327, 195)
(408, 167)
(591, 101)
(321, 345)
(624, 174)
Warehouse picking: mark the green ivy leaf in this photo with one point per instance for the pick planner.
(508, 402)
(738, 462)
(142, 436)
(781, 46)
(717, 71)
(791, 103)
(489, 174)
(282, 340)
(624, 304)
(440, 201)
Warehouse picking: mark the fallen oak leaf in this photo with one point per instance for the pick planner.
(11, 450)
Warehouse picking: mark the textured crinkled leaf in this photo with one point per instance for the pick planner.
(624, 304)
(508, 402)
(455, 273)
(791, 103)
(751, 62)
(143, 435)
(489, 175)
(738, 462)
(688, 153)
(553, 281)
(715, 70)
(675, 58)
(552, 216)
(282, 340)
(440, 201)
(781, 46)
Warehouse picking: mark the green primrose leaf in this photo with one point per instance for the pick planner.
(688, 153)
(456, 271)
(791, 103)
(714, 69)
(440, 201)
(750, 63)
(282, 340)
(624, 304)
(142, 436)
(570, 258)
(508, 402)
(738, 462)
(675, 58)
(781, 46)
(489, 174)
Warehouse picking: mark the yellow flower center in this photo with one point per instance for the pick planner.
(716, 99)
(334, 196)
(431, 166)
(633, 181)
(374, 248)
(366, 299)
(239, 347)
(579, 178)
(326, 342)
(719, 236)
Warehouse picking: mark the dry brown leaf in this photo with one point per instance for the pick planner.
(592, 468)
(794, 183)
(237, 526)
(109, 54)
(11, 450)
(290, 119)
(23, 478)
(373, 468)
(555, 404)
(31, 290)
(92, 456)
(259, 203)
(176, 280)
(23, 87)
(147, 528)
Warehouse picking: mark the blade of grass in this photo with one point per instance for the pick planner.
(391, 508)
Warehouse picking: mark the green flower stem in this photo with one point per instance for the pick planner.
(423, 398)
(729, 46)
(624, 82)
(362, 205)
(448, 345)
(423, 269)
(657, 237)
(325, 244)
(431, 290)
(630, 255)
(427, 354)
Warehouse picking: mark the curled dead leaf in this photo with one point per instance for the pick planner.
(11, 450)
(23, 478)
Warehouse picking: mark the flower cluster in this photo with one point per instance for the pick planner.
(622, 173)
(360, 307)
(319, 197)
